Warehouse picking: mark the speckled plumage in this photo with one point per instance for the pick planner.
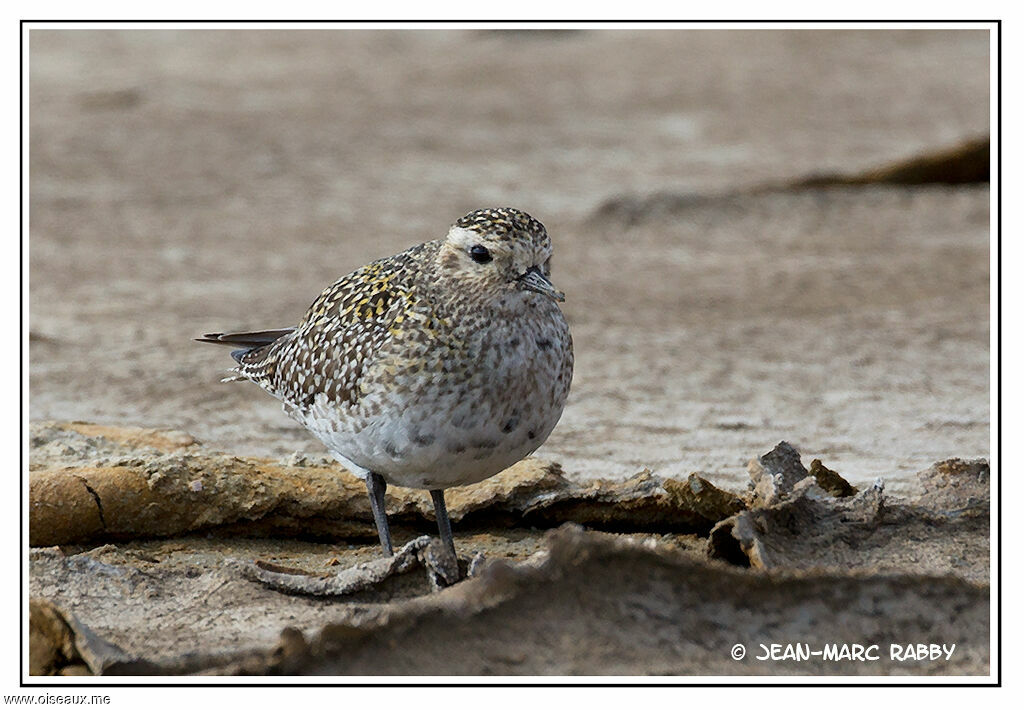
(428, 368)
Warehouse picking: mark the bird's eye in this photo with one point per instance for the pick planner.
(480, 254)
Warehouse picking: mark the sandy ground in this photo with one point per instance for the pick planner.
(196, 181)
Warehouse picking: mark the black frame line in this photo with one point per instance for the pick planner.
(998, 353)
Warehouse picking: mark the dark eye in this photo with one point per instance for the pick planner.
(479, 254)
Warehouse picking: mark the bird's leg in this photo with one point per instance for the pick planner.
(444, 526)
(376, 486)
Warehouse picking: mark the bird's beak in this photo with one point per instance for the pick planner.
(534, 280)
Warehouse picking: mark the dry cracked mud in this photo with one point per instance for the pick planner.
(149, 547)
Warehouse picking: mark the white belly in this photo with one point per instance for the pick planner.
(451, 459)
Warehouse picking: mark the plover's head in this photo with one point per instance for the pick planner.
(498, 251)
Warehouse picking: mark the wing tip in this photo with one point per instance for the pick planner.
(209, 338)
(253, 339)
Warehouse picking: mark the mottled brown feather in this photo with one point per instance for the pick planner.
(341, 332)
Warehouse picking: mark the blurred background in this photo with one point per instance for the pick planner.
(196, 180)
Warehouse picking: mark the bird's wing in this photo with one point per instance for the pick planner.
(254, 339)
(341, 333)
(245, 343)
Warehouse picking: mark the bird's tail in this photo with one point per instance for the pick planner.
(250, 351)
(245, 342)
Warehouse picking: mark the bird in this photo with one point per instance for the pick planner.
(437, 367)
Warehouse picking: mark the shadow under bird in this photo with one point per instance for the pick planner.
(436, 367)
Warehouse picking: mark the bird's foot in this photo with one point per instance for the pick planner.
(426, 553)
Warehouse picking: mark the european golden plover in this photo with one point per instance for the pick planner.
(437, 367)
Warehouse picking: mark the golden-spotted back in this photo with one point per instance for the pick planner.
(346, 325)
